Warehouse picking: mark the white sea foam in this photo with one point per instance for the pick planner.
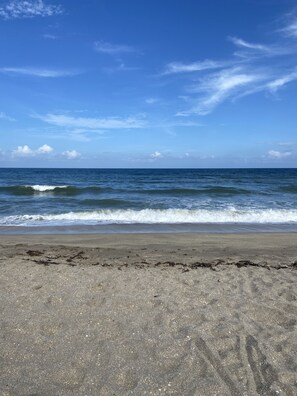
(153, 216)
(42, 188)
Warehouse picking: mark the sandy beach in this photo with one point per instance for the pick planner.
(149, 314)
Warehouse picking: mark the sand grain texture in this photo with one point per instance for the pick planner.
(149, 315)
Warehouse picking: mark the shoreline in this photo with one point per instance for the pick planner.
(83, 239)
(186, 250)
(269, 247)
(114, 229)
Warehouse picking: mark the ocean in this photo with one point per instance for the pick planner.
(147, 200)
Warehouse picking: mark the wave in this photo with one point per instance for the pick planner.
(41, 189)
(105, 202)
(75, 190)
(208, 190)
(158, 216)
(46, 188)
(289, 189)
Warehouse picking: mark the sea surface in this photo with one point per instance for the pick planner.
(147, 200)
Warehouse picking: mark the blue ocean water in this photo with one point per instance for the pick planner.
(141, 200)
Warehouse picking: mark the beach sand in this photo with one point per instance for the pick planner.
(150, 314)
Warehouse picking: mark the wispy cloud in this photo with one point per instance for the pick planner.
(246, 72)
(62, 120)
(112, 49)
(279, 154)
(290, 28)
(117, 52)
(38, 72)
(50, 36)
(151, 101)
(244, 44)
(179, 67)
(18, 9)
(79, 134)
(288, 144)
(217, 87)
(278, 83)
(4, 116)
(249, 51)
(120, 67)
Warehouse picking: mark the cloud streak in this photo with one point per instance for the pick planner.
(62, 120)
(19, 9)
(280, 82)
(217, 87)
(4, 116)
(290, 30)
(246, 72)
(244, 44)
(38, 72)
(112, 49)
(179, 67)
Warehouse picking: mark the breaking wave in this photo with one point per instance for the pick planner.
(40, 189)
(289, 189)
(158, 216)
(76, 190)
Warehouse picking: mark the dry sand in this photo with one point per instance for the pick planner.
(149, 315)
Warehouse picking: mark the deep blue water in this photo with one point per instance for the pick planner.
(181, 199)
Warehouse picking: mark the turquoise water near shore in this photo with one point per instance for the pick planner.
(145, 200)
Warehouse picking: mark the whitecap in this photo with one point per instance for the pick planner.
(159, 216)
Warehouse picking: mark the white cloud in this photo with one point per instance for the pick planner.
(281, 81)
(4, 116)
(112, 49)
(246, 72)
(279, 154)
(26, 151)
(23, 151)
(80, 134)
(37, 72)
(244, 44)
(217, 87)
(250, 51)
(291, 29)
(71, 154)
(17, 9)
(180, 123)
(50, 36)
(121, 67)
(152, 100)
(156, 155)
(92, 123)
(45, 149)
(235, 82)
(179, 67)
(287, 144)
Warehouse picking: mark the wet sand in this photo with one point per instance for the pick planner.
(150, 314)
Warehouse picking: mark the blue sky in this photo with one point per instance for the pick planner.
(148, 83)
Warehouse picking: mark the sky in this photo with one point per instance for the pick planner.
(148, 83)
